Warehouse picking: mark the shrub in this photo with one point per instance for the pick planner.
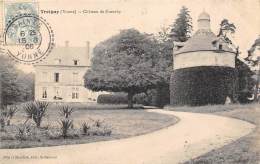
(107, 131)
(66, 111)
(112, 99)
(36, 111)
(85, 128)
(7, 114)
(7, 137)
(100, 128)
(66, 124)
(150, 98)
(97, 128)
(11, 110)
(142, 98)
(23, 132)
(101, 131)
(2, 123)
(98, 123)
(53, 133)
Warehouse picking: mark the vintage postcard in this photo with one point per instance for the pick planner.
(129, 81)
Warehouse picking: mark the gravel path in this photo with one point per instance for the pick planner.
(194, 135)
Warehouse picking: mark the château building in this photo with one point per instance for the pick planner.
(59, 77)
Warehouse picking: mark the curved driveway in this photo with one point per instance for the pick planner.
(194, 135)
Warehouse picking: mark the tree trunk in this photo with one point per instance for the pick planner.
(130, 100)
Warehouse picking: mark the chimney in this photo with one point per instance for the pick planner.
(87, 49)
(66, 43)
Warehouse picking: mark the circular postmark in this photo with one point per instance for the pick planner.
(28, 38)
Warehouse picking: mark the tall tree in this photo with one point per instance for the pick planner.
(244, 81)
(226, 30)
(25, 82)
(124, 63)
(10, 90)
(16, 85)
(253, 60)
(181, 29)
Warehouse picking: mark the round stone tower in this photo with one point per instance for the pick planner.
(204, 68)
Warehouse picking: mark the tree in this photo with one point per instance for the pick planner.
(163, 69)
(244, 82)
(124, 63)
(226, 29)
(16, 85)
(25, 82)
(10, 89)
(253, 60)
(181, 29)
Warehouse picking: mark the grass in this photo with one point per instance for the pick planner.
(124, 123)
(245, 150)
(211, 108)
(95, 106)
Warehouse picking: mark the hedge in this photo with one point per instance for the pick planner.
(202, 85)
(112, 99)
(154, 97)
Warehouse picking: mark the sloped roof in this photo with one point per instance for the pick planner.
(202, 40)
(67, 55)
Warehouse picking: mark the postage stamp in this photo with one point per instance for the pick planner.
(13, 9)
(27, 37)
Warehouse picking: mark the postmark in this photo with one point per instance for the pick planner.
(28, 38)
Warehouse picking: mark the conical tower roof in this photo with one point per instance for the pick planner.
(203, 39)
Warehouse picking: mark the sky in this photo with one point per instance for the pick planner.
(146, 16)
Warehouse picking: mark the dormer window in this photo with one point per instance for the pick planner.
(218, 46)
(75, 62)
(214, 43)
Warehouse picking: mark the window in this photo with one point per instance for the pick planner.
(75, 77)
(56, 77)
(44, 92)
(57, 93)
(57, 61)
(220, 46)
(75, 93)
(214, 43)
(76, 62)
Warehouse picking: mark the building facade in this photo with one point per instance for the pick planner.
(59, 77)
(204, 68)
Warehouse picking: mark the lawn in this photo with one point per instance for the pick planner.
(122, 122)
(245, 150)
